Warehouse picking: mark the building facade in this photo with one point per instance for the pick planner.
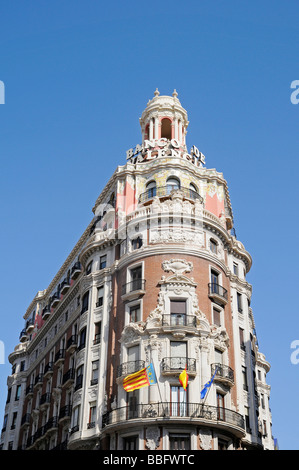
(158, 277)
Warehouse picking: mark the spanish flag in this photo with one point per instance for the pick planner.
(142, 378)
(183, 378)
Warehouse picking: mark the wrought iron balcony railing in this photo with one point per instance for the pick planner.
(133, 286)
(174, 410)
(217, 290)
(170, 364)
(223, 372)
(129, 368)
(176, 319)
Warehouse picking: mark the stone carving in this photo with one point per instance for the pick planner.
(132, 333)
(177, 266)
(152, 438)
(205, 438)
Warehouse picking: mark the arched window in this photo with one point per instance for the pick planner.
(172, 183)
(151, 189)
(166, 128)
(193, 191)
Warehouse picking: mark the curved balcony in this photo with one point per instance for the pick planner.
(30, 325)
(71, 344)
(133, 289)
(65, 285)
(218, 293)
(46, 312)
(166, 191)
(54, 300)
(76, 270)
(129, 368)
(179, 320)
(224, 374)
(49, 369)
(65, 413)
(59, 356)
(175, 365)
(23, 336)
(68, 377)
(197, 413)
(45, 399)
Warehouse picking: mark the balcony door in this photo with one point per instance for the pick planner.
(214, 282)
(178, 402)
(220, 407)
(178, 352)
(136, 276)
(177, 312)
(132, 397)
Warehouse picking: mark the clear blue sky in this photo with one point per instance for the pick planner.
(77, 77)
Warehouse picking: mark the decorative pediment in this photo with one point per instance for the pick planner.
(177, 266)
(131, 333)
(178, 280)
(220, 337)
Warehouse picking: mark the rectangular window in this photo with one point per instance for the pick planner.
(218, 356)
(241, 334)
(236, 269)
(14, 420)
(179, 441)
(97, 333)
(136, 276)
(178, 401)
(220, 407)
(214, 282)
(239, 302)
(132, 399)
(130, 443)
(178, 312)
(244, 375)
(18, 393)
(88, 268)
(95, 373)
(75, 419)
(82, 339)
(247, 422)
(213, 246)
(178, 351)
(100, 296)
(92, 416)
(103, 261)
(134, 313)
(85, 299)
(216, 317)
(79, 378)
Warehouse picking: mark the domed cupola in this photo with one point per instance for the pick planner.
(164, 118)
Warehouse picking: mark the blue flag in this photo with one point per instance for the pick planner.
(151, 374)
(207, 385)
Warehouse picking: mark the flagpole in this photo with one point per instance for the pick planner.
(157, 383)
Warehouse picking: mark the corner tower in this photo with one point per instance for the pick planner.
(158, 278)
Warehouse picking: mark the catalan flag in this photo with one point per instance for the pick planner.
(142, 378)
(183, 378)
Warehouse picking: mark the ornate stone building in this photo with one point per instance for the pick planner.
(158, 277)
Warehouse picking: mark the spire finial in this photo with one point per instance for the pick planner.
(157, 93)
(174, 94)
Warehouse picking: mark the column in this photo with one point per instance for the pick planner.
(151, 129)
